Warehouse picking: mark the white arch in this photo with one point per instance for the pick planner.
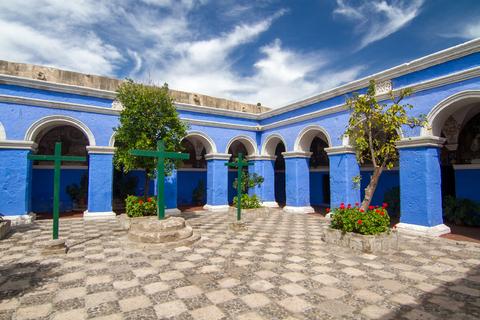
(111, 142)
(248, 142)
(305, 137)
(3, 134)
(436, 117)
(207, 142)
(51, 121)
(270, 144)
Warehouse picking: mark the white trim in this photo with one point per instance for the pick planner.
(218, 208)
(425, 141)
(217, 156)
(192, 169)
(296, 154)
(18, 144)
(445, 104)
(98, 215)
(54, 120)
(3, 134)
(339, 150)
(226, 125)
(217, 111)
(210, 148)
(63, 167)
(270, 204)
(111, 141)
(292, 209)
(261, 157)
(242, 139)
(471, 166)
(419, 230)
(21, 219)
(268, 139)
(100, 150)
(307, 131)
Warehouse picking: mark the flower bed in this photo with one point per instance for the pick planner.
(139, 207)
(366, 231)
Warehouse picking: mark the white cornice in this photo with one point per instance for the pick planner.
(261, 157)
(215, 111)
(296, 154)
(17, 144)
(100, 150)
(221, 124)
(339, 150)
(217, 156)
(427, 141)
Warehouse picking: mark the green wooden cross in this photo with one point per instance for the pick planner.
(240, 163)
(57, 160)
(161, 155)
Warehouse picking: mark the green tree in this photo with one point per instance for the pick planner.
(148, 115)
(373, 130)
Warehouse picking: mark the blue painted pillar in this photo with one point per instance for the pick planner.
(100, 183)
(343, 169)
(420, 186)
(297, 179)
(15, 180)
(170, 192)
(264, 166)
(217, 182)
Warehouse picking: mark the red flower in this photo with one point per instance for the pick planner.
(140, 201)
(342, 206)
(349, 206)
(370, 207)
(361, 210)
(384, 205)
(149, 200)
(327, 210)
(382, 213)
(377, 211)
(357, 204)
(359, 221)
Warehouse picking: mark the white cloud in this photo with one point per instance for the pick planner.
(468, 31)
(377, 20)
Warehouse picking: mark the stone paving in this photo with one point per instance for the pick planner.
(278, 269)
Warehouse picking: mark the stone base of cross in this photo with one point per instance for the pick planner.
(239, 164)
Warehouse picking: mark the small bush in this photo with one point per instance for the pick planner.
(353, 219)
(248, 202)
(461, 211)
(138, 207)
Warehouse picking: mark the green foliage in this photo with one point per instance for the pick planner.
(248, 202)
(78, 193)
(148, 115)
(374, 220)
(137, 207)
(392, 197)
(461, 211)
(198, 194)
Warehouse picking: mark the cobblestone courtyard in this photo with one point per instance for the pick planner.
(278, 269)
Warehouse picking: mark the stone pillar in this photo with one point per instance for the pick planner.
(297, 178)
(16, 180)
(420, 186)
(343, 169)
(171, 193)
(217, 181)
(100, 183)
(264, 166)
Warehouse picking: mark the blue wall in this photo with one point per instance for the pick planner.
(187, 182)
(316, 188)
(388, 180)
(467, 184)
(280, 196)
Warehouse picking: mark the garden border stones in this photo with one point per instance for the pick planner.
(383, 242)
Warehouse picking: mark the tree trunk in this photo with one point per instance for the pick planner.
(146, 187)
(370, 189)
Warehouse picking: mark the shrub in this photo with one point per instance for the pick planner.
(374, 220)
(248, 202)
(138, 207)
(461, 211)
(392, 197)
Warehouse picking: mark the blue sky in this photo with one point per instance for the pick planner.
(267, 51)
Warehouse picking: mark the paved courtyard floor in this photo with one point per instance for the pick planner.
(278, 269)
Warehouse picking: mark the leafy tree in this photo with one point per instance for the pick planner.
(148, 115)
(374, 128)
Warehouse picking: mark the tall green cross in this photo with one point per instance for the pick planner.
(57, 160)
(161, 155)
(240, 163)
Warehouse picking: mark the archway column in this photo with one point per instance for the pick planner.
(297, 177)
(217, 182)
(265, 167)
(16, 180)
(100, 183)
(170, 194)
(343, 169)
(420, 186)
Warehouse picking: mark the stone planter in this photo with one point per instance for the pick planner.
(4, 228)
(364, 243)
(249, 214)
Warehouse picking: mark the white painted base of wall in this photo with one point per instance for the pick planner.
(291, 209)
(98, 215)
(173, 211)
(21, 219)
(216, 208)
(415, 229)
(270, 204)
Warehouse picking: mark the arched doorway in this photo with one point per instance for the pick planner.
(279, 168)
(74, 175)
(274, 147)
(235, 147)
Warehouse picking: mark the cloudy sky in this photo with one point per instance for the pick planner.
(267, 51)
